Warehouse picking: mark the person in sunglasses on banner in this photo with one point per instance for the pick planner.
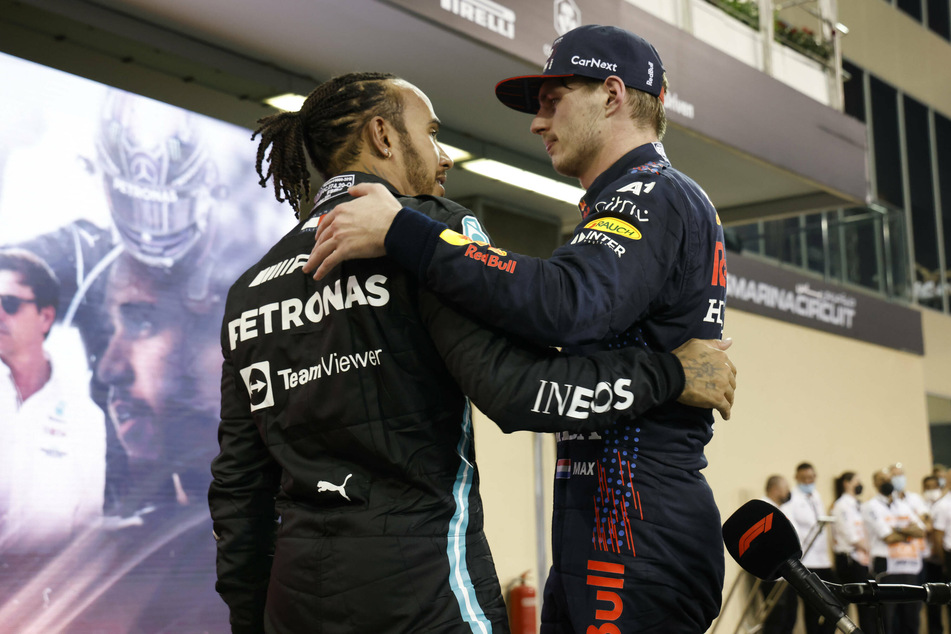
(52, 435)
(339, 411)
(148, 566)
(646, 267)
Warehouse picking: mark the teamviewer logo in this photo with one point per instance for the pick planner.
(257, 378)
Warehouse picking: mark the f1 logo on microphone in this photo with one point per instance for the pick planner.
(755, 531)
(257, 378)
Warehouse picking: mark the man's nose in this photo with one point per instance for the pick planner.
(539, 124)
(114, 367)
(444, 159)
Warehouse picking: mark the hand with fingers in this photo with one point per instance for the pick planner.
(353, 230)
(710, 375)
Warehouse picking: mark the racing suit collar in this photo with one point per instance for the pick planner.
(641, 155)
(337, 186)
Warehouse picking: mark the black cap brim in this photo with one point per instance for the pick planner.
(521, 93)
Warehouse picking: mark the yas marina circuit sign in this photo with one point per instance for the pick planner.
(768, 290)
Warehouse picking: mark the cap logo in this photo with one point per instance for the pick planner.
(650, 74)
(593, 63)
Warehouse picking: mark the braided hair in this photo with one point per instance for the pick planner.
(327, 126)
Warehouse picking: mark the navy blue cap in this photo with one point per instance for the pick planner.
(589, 51)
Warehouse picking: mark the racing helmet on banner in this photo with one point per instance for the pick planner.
(158, 177)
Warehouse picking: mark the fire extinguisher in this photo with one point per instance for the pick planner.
(521, 600)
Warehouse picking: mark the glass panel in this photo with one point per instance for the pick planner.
(939, 17)
(887, 143)
(911, 7)
(860, 232)
(943, 144)
(782, 240)
(897, 253)
(921, 193)
(836, 234)
(853, 247)
(749, 237)
(814, 246)
(852, 89)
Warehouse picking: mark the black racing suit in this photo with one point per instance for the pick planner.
(636, 533)
(346, 495)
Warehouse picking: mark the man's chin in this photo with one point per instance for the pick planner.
(565, 168)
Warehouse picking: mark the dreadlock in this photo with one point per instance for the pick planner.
(325, 126)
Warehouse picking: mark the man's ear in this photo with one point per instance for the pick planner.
(615, 94)
(47, 317)
(378, 136)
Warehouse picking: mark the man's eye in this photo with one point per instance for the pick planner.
(138, 322)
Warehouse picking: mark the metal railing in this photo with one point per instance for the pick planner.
(816, 36)
(862, 247)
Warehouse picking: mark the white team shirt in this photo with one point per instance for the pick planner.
(804, 512)
(920, 508)
(881, 518)
(52, 462)
(848, 529)
(917, 503)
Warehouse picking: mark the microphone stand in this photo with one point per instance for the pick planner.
(874, 594)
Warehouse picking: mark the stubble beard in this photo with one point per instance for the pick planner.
(419, 181)
(586, 145)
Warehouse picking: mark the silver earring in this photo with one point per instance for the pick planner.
(386, 153)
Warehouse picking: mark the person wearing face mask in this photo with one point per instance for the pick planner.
(915, 501)
(919, 507)
(850, 544)
(893, 528)
(782, 618)
(804, 510)
(931, 490)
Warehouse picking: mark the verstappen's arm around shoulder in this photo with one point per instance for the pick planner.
(583, 293)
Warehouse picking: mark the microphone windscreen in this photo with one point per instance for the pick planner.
(760, 538)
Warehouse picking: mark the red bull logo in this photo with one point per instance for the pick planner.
(491, 260)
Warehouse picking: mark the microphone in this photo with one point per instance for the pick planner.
(763, 541)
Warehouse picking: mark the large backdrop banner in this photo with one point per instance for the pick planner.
(123, 222)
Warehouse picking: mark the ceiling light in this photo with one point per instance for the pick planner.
(525, 180)
(455, 153)
(288, 101)
(841, 28)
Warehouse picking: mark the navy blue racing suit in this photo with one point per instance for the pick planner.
(636, 532)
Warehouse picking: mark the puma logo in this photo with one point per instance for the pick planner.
(323, 485)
